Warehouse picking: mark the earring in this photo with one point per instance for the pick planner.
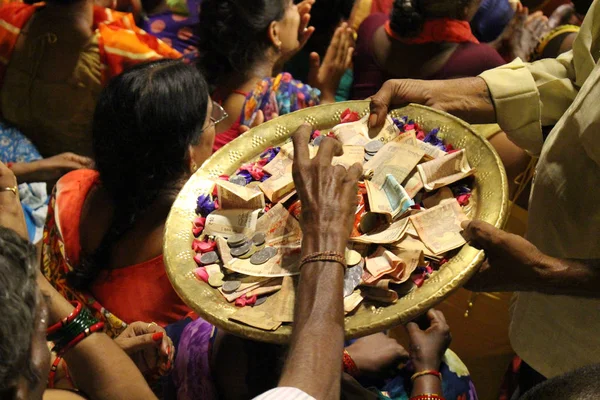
(194, 167)
(278, 46)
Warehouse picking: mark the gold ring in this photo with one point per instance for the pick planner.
(13, 189)
(150, 324)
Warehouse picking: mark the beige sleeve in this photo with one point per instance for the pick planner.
(527, 96)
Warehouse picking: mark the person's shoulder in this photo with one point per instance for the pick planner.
(372, 23)
(480, 53)
(58, 394)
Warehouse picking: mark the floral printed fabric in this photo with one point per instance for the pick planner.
(277, 96)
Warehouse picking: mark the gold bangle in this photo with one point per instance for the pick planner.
(13, 189)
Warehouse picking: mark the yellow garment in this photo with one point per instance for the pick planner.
(55, 116)
(555, 334)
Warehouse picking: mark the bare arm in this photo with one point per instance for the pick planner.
(514, 264)
(328, 195)
(99, 367)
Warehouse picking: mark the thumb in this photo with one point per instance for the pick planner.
(142, 342)
(481, 233)
(314, 63)
(380, 103)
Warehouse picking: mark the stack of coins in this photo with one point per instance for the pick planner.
(372, 148)
(242, 247)
(263, 255)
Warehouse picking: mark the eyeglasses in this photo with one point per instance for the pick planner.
(217, 115)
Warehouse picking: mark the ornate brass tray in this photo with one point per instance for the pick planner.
(489, 203)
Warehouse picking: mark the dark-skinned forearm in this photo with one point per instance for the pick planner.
(568, 277)
(314, 361)
(466, 98)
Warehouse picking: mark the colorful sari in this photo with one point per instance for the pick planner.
(273, 96)
(141, 292)
(56, 115)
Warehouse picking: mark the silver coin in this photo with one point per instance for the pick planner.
(238, 180)
(241, 250)
(209, 258)
(368, 156)
(353, 277)
(231, 286)
(262, 256)
(259, 238)
(272, 251)
(373, 146)
(260, 301)
(317, 141)
(236, 240)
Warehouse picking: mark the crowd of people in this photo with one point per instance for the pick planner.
(107, 109)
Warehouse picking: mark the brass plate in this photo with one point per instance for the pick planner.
(489, 203)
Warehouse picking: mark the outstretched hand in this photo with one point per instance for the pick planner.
(377, 355)
(427, 347)
(327, 193)
(511, 264)
(326, 76)
(148, 346)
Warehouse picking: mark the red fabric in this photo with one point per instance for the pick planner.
(221, 139)
(469, 59)
(440, 30)
(140, 292)
(382, 6)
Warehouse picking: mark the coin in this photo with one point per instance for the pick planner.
(250, 253)
(353, 277)
(373, 146)
(231, 286)
(236, 240)
(216, 280)
(353, 257)
(317, 141)
(209, 258)
(259, 238)
(263, 256)
(260, 301)
(241, 250)
(238, 180)
(368, 156)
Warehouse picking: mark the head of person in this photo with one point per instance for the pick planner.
(491, 19)
(236, 35)
(152, 127)
(580, 384)
(24, 356)
(408, 16)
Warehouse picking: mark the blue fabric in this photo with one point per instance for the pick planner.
(491, 19)
(15, 147)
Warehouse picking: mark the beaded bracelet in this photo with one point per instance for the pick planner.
(427, 396)
(426, 372)
(332, 256)
(349, 365)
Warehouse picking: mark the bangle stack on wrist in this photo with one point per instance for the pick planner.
(68, 332)
(426, 396)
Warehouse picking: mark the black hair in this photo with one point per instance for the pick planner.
(234, 34)
(408, 16)
(18, 294)
(144, 122)
(580, 384)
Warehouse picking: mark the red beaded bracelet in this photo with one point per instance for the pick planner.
(427, 396)
(349, 365)
(65, 321)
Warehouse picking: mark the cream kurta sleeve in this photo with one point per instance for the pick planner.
(527, 96)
